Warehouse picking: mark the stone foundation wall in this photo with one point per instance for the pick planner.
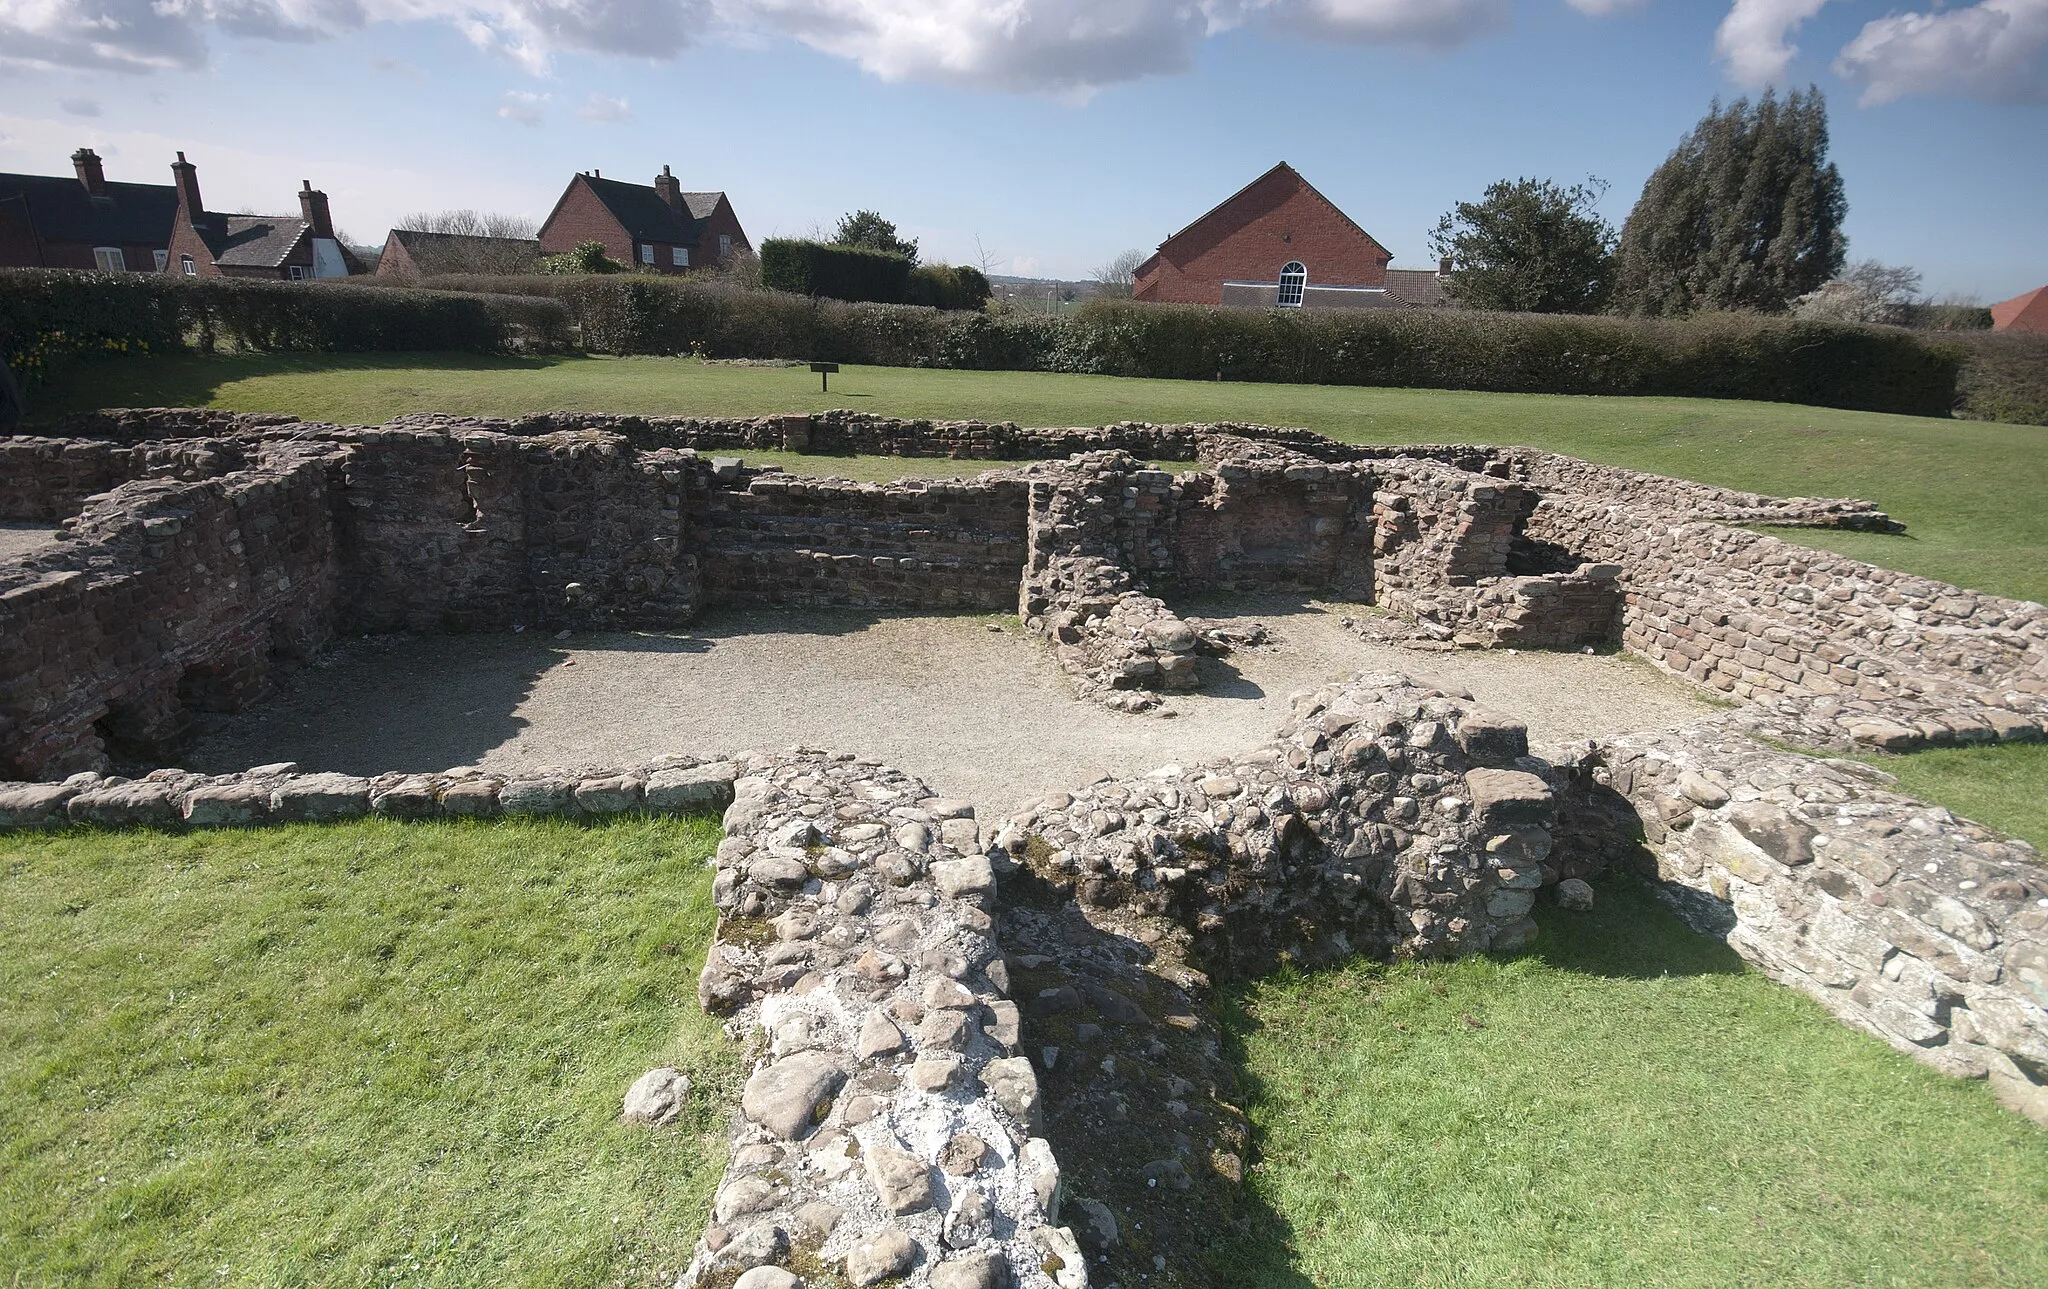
(50, 479)
(169, 598)
(932, 545)
(1925, 930)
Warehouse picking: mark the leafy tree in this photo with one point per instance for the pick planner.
(1529, 247)
(584, 257)
(1119, 277)
(868, 229)
(1866, 292)
(1746, 213)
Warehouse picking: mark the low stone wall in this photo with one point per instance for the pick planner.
(169, 598)
(934, 545)
(1905, 922)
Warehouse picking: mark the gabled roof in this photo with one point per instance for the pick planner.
(61, 210)
(701, 204)
(251, 241)
(644, 215)
(2025, 312)
(1419, 287)
(1222, 208)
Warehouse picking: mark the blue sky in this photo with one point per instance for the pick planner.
(1042, 135)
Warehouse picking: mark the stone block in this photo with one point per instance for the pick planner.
(1493, 739)
(226, 804)
(683, 791)
(35, 805)
(608, 796)
(320, 796)
(125, 805)
(1509, 800)
(537, 797)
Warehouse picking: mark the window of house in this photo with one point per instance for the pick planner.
(298, 272)
(647, 253)
(680, 257)
(108, 259)
(725, 246)
(187, 267)
(1293, 281)
(162, 258)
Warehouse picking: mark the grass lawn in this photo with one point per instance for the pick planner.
(1975, 494)
(2003, 787)
(362, 1054)
(1627, 1105)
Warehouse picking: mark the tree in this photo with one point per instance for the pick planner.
(1866, 292)
(1529, 247)
(1746, 213)
(1119, 277)
(514, 248)
(868, 229)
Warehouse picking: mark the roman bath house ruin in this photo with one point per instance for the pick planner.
(978, 1033)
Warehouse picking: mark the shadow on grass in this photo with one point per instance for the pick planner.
(195, 380)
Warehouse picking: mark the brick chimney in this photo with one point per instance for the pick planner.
(313, 209)
(87, 163)
(1443, 267)
(666, 187)
(185, 176)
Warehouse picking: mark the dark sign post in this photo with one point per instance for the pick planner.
(824, 371)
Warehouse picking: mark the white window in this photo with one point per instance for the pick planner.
(1293, 281)
(298, 272)
(647, 253)
(162, 258)
(187, 267)
(108, 259)
(725, 246)
(680, 257)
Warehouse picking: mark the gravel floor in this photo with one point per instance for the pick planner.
(978, 713)
(17, 539)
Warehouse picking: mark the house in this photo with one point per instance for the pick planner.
(2028, 312)
(83, 221)
(284, 247)
(410, 253)
(656, 226)
(1279, 242)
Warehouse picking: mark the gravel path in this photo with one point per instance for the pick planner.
(977, 713)
(19, 538)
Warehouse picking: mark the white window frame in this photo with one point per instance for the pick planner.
(1293, 285)
(188, 266)
(647, 252)
(298, 272)
(679, 257)
(108, 259)
(725, 246)
(162, 258)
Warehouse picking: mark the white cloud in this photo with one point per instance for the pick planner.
(522, 107)
(601, 109)
(1997, 50)
(1755, 39)
(1066, 47)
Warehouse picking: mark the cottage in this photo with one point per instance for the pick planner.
(286, 247)
(656, 226)
(411, 253)
(1278, 242)
(82, 221)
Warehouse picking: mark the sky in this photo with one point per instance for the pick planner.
(1038, 137)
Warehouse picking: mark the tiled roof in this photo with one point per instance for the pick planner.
(701, 204)
(1421, 288)
(463, 252)
(61, 210)
(251, 241)
(644, 215)
(2027, 311)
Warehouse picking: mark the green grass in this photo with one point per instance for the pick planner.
(363, 1054)
(1624, 1106)
(1974, 494)
(2003, 787)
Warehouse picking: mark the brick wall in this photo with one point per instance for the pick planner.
(1251, 236)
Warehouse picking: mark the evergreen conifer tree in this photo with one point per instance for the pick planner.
(1746, 213)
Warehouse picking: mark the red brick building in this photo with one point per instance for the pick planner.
(81, 221)
(2027, 312)
(1277, 242)
(657, 226)
(285, 247)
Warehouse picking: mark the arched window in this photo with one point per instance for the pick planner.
(1293, 280)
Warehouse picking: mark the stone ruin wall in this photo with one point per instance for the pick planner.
(1385, 819)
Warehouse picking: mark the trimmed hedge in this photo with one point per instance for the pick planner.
(854, 273)
(2005, 377)
(949, 286)
(1773, 359)
(49, 316)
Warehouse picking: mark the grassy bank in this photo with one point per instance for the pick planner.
(1626, 1105)
(371, 1053)
(1973, 493)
